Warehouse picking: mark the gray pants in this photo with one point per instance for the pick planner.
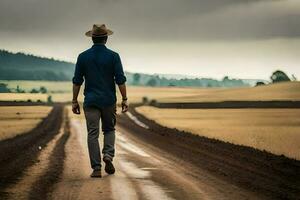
(108, 122)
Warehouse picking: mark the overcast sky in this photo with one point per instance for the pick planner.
(206, 38)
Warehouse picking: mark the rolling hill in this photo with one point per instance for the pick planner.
(20, 66)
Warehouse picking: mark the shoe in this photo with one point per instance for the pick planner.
(96, 173)
(109, 167)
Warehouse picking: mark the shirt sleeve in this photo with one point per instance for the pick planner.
(118, 69)
(78, 74)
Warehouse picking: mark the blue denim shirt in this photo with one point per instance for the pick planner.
(101, 69)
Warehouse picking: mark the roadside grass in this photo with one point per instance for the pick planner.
(16, 120)
(273, 130)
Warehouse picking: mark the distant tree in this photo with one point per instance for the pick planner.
(209, 85)
(34, 91)
(171, 85)
(43, 90)
(136, 78)
(153, 102)
(4, 88)
(49, 99)
(294, 77)
(145, 100)
(279, 76)
(152, 82)
(226, 78)
(19, 90)
(259, 83)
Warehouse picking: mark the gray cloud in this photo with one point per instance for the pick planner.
(155, 19)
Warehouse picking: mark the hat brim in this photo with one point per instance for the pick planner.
(90, 33)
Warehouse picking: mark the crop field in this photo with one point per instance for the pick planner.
(274, 130)
(278, 91)
(15, 120)
(52, 86)
(135, 94)
(23, 97)
(61, 91)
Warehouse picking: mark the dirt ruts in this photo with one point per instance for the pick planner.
(268, 175)
(21, 152)
(44, 185)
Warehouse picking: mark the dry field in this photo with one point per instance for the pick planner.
(52, 86)
(136, 93)
(56, 97)
(22, 97)
(274, 130)
(61, 92)
(279, 91)
(15, 120)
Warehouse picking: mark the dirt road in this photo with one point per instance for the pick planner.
(142, 173)
(151, 162)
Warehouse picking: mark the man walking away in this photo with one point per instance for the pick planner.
(101, 69)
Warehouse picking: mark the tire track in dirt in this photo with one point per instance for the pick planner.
(267, 175)
(43, 187)
(75, 182)
(148, 175)
(22, 188)
(178, 178)
(21, 152)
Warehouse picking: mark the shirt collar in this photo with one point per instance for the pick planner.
(99, 46)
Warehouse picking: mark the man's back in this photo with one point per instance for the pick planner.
(101, 68)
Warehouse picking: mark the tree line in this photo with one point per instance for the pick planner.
(20, 66)
(156, 80)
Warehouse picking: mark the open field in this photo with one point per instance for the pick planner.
(274, 130)
(61, 92)
(16, 120)
(23, 97)
(56, 97)
(278, 91)
(52, 86)
(136, 93)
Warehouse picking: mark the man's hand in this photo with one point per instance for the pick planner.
(124, 106)
(75, 107)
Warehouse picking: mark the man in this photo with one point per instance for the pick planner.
(101, 69)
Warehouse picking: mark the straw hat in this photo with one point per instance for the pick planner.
(99, 30)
